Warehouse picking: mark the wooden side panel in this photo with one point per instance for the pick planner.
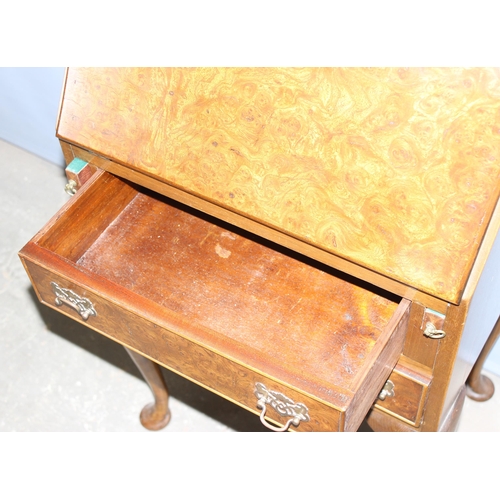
(67, 152)
(369, 384)
(394, 169)
(450, 371)
(78, 224)
(417, 346)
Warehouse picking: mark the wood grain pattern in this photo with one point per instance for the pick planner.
(202, 365)
(321, 256)
(380, 421)
(82, 224)
(241, 289)
(450, 372)
(218, 306)
(394, 169)
(411, 381)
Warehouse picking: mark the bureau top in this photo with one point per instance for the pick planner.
(394, 170)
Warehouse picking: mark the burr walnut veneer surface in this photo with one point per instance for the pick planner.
(394, 170)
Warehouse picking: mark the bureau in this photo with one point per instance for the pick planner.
(306, 242)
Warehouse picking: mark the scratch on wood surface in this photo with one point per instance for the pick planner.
(296, 304)
(209, 233)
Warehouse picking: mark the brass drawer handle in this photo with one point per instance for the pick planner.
(70, 188)
(432, 332)
(283, 405)
(387, 390)
(81, 305)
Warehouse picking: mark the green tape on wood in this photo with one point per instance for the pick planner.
(77, 165)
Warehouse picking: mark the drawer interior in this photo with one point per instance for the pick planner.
(281, 313)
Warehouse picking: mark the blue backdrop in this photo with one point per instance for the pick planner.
(29, 103)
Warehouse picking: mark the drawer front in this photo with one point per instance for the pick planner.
(209, 369)
(408, 393)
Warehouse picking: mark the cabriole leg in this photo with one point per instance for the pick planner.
(480, 387)
(154, 416)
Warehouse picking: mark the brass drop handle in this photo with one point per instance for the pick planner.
(387, 390)
(262, 404)
(70, 187)
(283, 405)
(81, 305)
(432, 332)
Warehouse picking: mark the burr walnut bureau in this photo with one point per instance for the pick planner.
(309, 243)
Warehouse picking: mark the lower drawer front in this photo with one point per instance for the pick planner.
(217, 373)
(408, 391)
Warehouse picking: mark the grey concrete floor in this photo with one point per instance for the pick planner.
(58, 375)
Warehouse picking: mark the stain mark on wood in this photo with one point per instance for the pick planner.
(222, 252)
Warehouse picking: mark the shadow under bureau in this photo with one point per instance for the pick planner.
(307, 255)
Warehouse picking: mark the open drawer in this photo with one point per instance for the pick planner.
(265, 328)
